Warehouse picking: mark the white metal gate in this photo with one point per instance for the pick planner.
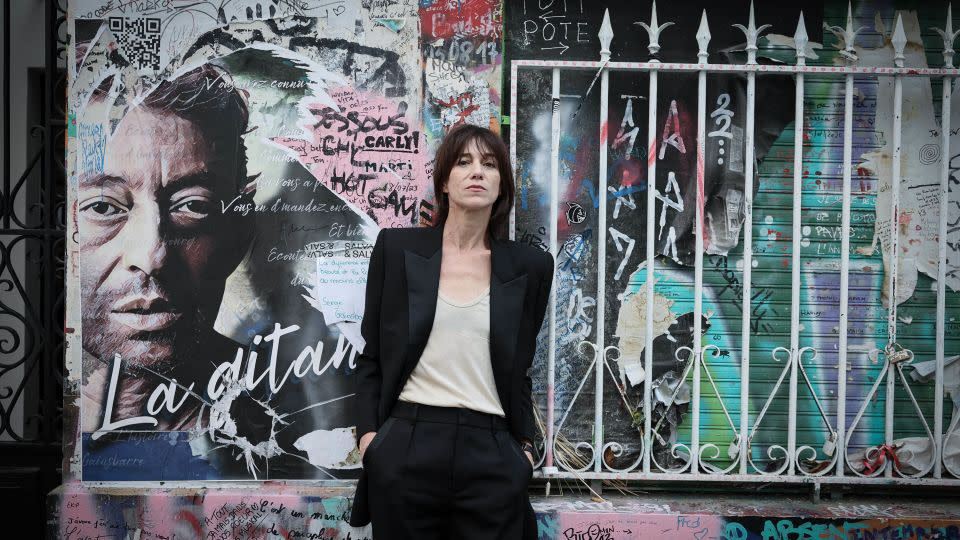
(737, 462)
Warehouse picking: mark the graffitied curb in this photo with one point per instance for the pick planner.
(289, 511)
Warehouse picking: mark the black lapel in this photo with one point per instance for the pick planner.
(507, 292)
(422, 265)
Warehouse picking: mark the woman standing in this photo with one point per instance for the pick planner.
(444, 413)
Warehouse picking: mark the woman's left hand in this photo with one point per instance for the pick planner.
(530, 457)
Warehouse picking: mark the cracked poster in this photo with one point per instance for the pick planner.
(229, 169)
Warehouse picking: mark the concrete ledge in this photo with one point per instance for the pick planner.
(292, 511)
(753, 516)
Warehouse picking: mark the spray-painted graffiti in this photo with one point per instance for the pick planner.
(721, 194)
(365, 148)
(553, 25)
(288, 513)
(231, 164)
(461, 48)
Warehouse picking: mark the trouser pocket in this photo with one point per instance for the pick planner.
(378, 438)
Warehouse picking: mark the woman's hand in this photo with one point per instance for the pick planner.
(365, 442)
(527, 448)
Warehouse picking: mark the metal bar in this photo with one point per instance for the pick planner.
(49, 142)
(32, 233)
(601, 270)
(795, 269)
(747, 272)
(749, 479)
(653, 31)
(739, 68)
(949, 36)
(698, 272)
(893, 266)
(554, 242)
(651, 275)
(844, 272)
(849, 36)
(48, 197)
(942, 276)
(6, 205)
(641, 477)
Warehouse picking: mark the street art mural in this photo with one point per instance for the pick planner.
(568, 31)
(231, 161)
(230, 164)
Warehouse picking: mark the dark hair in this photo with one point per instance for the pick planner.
(452, 146)
(205, 96)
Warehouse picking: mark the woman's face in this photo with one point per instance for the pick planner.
(474, 181)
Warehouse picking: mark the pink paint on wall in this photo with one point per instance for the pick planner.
(367, 150)
(622, 526)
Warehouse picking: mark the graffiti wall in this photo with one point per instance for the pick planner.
(568, 31)
(230, 164)
(321, 515)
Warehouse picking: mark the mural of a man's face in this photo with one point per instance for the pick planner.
(155, 245)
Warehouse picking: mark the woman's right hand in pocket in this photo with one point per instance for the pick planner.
(365, 442)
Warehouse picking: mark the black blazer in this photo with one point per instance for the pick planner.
(401, 300)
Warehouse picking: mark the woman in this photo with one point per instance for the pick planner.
(444, 413)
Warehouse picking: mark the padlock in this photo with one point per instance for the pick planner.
(830, 445)
(897, 354)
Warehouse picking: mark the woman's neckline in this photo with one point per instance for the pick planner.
(469, 303)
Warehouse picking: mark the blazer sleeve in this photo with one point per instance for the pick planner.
(368, 362)
(539, 311)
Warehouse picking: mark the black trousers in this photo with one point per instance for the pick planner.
(444, 473)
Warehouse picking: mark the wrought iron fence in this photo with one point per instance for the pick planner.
(32, 204)
(745, 459)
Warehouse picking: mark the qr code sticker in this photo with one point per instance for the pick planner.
(139, 40)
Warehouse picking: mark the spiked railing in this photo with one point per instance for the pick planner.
(785, 461)
(940, 442)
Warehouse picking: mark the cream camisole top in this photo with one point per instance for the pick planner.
(454, 369)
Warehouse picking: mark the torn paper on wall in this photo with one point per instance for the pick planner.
(392, 9)
(457, 97)
(665, 386)
(151, 38)
(930, 249)
(789, 42)
(227, 429)
(330, 449)
(339, 287)
(351, 331)
(632, 329)
(916, 452)
(920, 164)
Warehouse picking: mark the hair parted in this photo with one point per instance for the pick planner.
(452, 145)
